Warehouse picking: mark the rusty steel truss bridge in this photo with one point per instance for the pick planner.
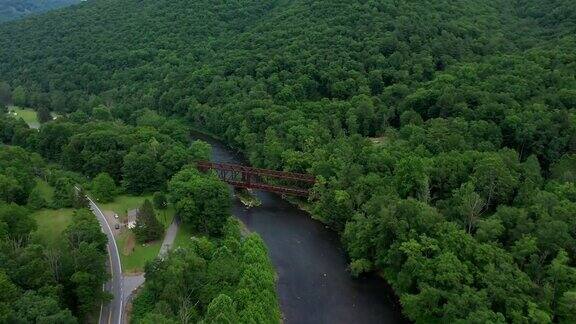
(280, 182)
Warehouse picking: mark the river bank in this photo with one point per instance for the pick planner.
(313, 285)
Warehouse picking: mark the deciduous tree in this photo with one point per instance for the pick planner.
(201, 200)
(19, 96)
(103, 187)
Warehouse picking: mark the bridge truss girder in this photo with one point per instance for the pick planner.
(240, 176)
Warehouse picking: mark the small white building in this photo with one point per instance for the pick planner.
(132, 218)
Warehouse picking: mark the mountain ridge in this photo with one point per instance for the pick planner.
(17, 9)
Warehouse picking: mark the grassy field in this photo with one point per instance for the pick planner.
(122, 204)
(29, 115)
(166, 216)
(51, 224)
(183, 237)
(46, 190)
(134, 256)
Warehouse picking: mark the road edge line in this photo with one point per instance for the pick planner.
(117, 254)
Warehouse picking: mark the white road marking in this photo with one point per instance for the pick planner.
(116, 247)
(95, 209)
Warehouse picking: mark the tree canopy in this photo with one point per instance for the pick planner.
(442, 133)
(225, 281)
(201, 200)
(148, 228)
(16, 9)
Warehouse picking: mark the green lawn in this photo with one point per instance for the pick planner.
(133, 256)
(165, 216)
(133, 260)
(46, 189)
(183, 237)
(122, 204)
(29, 115)
(51, 224)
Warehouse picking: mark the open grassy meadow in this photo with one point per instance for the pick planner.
(122, 204)
(46, 190)
(29, 115)
(51, 223)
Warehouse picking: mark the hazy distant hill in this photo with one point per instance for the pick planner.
(15, 9)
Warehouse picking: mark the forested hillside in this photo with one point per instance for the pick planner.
(443, 133)
(15, 9)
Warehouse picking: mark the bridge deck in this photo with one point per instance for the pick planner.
(241, 176)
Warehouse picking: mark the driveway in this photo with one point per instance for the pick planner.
(169, 238)
(133, 282)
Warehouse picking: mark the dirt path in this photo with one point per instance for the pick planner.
(169, 238)
(133, 282)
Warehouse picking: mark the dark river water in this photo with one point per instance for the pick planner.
(313, 284)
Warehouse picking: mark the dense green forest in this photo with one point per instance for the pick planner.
(154, 155)
(58, 283)
(443, 133)
(227, 281)
(15, 9)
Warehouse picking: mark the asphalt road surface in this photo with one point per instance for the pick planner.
(110, 313)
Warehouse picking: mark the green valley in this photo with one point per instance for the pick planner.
(441, 136)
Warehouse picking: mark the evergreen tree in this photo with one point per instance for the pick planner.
(160, 200)
(43, 115)
(148, 228)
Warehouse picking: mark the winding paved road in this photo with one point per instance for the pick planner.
(110, 313)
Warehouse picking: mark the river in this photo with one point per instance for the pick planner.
(313, 284)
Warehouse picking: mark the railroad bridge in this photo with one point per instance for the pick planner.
(240, 176)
